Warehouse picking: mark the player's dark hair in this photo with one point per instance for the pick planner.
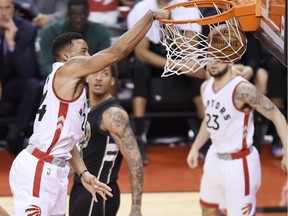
(64, 40)
(78, 2)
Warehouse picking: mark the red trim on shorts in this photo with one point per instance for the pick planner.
(37, 178)
(209, 205)
(246, 176)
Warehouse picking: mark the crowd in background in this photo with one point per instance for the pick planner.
(26, 57)
(26, 60)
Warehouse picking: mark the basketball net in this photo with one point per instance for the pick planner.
(187, 51)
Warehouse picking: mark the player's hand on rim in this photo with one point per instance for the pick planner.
(161, 14)
(93, 185)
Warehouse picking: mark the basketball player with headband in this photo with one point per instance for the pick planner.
(232, 172)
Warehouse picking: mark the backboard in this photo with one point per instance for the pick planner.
(273, 28)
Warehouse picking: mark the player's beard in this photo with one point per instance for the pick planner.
(220, 73)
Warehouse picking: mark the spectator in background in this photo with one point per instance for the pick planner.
(106, 11)
(96, 35)
(150, 59)
(47, 11)
(108, 138)
(19, 84)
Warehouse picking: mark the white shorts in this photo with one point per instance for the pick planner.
(52, 183)
(231, 184)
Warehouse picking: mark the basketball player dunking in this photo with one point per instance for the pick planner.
(38, 176)
(232, 172)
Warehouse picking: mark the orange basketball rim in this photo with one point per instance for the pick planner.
(248, 12)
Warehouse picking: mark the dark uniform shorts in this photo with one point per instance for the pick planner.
(80, 202)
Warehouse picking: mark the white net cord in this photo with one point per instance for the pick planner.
(187, 51)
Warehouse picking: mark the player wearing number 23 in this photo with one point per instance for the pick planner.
(232, 172)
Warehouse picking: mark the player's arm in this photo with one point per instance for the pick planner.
(247, 94)
(200, 140)
(90, 182)
(116, 121)
(120, 48)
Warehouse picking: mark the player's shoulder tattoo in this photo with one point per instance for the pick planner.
(119, 125)
(77, 59)
(247, 93)
(118, 116)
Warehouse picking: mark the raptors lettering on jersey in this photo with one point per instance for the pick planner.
(217, 106)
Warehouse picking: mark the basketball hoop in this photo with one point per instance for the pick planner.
(188, 52)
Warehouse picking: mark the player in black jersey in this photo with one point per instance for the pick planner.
(108, 139)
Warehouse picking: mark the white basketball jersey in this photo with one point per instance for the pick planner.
(231, 130)
(59, 124)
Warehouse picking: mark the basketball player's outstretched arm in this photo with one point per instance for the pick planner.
(89, 181)
(83, 66)
(247, 94)
(116, 121)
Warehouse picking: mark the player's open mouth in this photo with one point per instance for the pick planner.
(97, 87)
